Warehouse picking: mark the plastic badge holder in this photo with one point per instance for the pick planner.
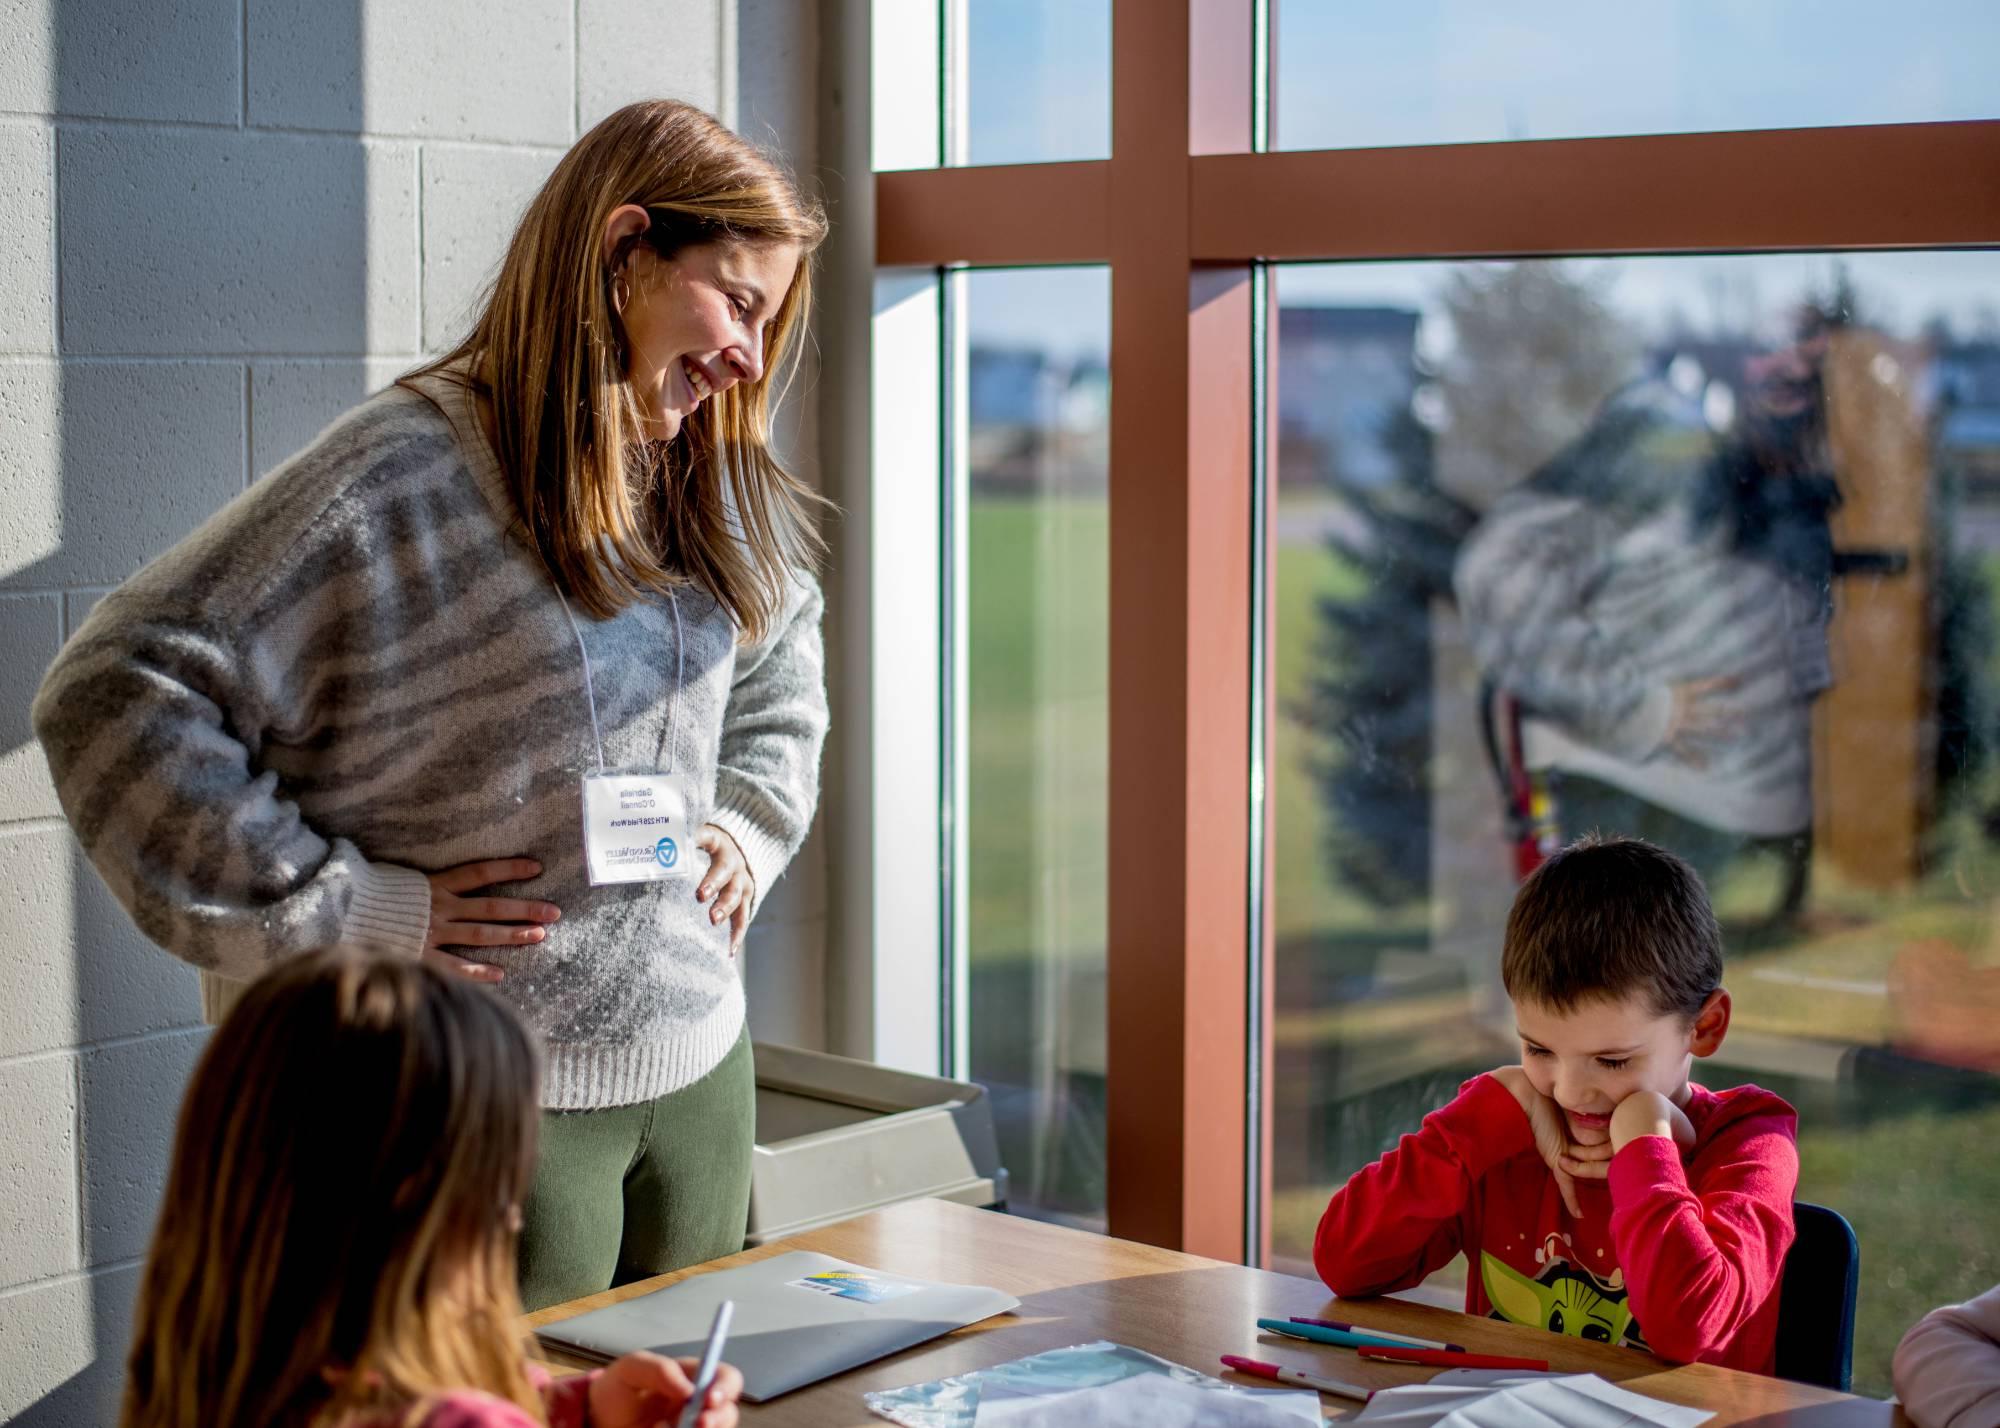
(954, 1402)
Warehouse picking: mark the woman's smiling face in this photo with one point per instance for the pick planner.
(696, 323)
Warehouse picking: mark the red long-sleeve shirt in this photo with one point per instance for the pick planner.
(1679, 1252)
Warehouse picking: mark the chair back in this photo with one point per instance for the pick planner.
(1816, 1299)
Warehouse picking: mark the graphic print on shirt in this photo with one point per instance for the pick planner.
(1565, 1299)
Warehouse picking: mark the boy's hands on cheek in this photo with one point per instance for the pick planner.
(1566, 1160)
(1649, 1113)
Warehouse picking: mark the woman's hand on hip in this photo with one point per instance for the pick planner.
(727, 885)
(461, 921)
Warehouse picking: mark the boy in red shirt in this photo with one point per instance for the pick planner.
(1594, 1190)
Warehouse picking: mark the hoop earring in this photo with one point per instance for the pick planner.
(621, 291)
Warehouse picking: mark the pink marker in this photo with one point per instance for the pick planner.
(1297, 1378)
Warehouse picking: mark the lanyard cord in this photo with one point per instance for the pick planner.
(590, 691)
(680, 666)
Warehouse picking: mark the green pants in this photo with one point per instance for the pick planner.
(633, 1191)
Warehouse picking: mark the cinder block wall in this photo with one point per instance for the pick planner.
(225, 221)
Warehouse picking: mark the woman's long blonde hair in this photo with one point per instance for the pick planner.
(337, 1236)
(613, 516)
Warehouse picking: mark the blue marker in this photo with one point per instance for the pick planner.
(1341, 1338)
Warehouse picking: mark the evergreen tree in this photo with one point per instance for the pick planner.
(1370, 694)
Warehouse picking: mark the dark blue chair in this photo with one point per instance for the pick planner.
(1816, 1299)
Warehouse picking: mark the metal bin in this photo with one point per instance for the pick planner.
(838, 1137)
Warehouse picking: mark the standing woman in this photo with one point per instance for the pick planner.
(516, 669)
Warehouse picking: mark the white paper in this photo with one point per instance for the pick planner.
(1152, 1401)
(956, 1402)
(1525, 1401)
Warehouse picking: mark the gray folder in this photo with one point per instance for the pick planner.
(800, 1317)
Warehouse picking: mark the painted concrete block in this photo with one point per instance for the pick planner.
(62, 1350)
(124, 984)
(189, 242)
(30, 635)
(37, 1169)
(77, 605)
(149, 59)
(111, 462)
(502, 71)
(28, 59)
(305, 64)
(473, 197)
(73, 968)
(37, 960)
(131, 1093)
(628, 49)
(31, 455)
(293, 402)
(27, 238)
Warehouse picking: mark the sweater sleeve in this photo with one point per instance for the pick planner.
(767, 778)
(568, 1399)
(1401, 1218)
(1523, 582)
(152, 719)
(1948, 1366)
(1702, 1258)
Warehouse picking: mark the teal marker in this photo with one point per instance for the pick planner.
(1319, 1335)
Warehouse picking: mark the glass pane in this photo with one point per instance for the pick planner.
(1390, 72)
(1038, 390)
(1038, 81)
(1765, 492)
(905, 83)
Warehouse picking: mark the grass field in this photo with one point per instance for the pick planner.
(1911, 1165)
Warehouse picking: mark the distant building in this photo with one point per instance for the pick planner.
(1344, 373)
(1968, 390)
(1967, 376)
(1039, 424)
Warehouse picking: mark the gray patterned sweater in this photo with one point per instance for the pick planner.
(358, 672)
(1590, 597)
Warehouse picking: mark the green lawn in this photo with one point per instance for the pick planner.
(1919, 1189)
(1039, 601)
(1304, 900)
(1037, 712)
(1916, 1174)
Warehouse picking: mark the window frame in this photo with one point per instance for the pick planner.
(1184, 212)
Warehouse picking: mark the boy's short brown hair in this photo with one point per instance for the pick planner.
(1608, 917)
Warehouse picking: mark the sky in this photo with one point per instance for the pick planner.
(1356, 73)
(1363, 73)
(1387, 72)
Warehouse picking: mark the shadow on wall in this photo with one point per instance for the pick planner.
(194, 238)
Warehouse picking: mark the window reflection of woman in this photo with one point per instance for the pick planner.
(1657, 599)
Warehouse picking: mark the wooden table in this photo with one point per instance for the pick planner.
(1076, 1287)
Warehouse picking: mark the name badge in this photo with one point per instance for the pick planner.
(635, 827)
